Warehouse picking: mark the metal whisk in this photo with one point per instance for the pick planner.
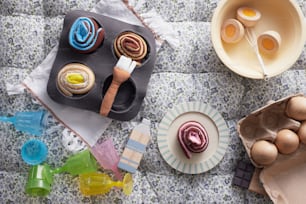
(251, 38)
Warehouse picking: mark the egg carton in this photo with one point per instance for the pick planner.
(283, 179)
(265, 123)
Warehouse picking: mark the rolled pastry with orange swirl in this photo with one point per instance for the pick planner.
(193, 138)
(85, 35)
(131, 45)
(75, 79)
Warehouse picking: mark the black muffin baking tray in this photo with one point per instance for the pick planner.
(102, 61)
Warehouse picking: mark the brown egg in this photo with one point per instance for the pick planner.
(264, 152)
(286, 141)
(302, 132)
(296, 108)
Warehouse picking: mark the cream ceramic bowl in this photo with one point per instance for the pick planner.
(284, 16)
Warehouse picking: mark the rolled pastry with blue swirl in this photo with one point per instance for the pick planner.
(75, 79)
(193, 138)
(85, 35)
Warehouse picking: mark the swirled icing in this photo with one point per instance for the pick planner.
(131, 45)
(75, 78)
(85, 35)
(193, 138)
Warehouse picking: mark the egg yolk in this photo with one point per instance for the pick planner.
(230, 30)
(249, 12)
(75, 78)
(268, 44)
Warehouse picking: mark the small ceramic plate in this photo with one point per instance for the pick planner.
(170, 148)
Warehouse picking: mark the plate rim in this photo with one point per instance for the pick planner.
(208, 111)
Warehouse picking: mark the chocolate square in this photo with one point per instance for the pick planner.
(243, 174)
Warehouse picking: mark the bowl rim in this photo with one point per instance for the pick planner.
(217, 42)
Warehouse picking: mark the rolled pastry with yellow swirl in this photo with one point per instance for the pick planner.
(131, 45)
(193, 138)
(75, 79)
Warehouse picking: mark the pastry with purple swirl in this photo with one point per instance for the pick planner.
(85, 35)
(75, 79)
(131, 45)
(193, 138)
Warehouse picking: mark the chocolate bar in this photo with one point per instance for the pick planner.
(247, 176)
